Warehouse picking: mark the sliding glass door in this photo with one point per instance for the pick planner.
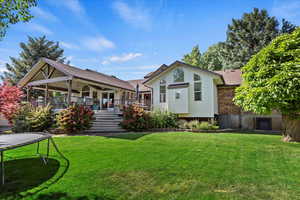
(108, 100)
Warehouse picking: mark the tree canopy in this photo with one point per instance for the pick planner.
(248, 35)
(213, 58)
(245, 37)
(32, 51)
(193, 58)
(14, 11)
(271, 79)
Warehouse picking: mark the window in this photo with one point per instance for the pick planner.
(162, 91)
(197, 88)
(85, 91)
(177, 95)
(178, 75)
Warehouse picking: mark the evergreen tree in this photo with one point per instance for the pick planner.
(287, 27)
(246, 36)
(193, 58)
(213, 58)
(32, 51)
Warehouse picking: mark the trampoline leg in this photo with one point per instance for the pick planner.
(48, 148)
(2, 168)
(38, 148)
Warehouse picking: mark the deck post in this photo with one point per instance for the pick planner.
(69, 83)
(28, 93)
(46, 94)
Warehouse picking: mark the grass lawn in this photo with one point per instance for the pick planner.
(158, 166)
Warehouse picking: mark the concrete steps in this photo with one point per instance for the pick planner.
(106, 122)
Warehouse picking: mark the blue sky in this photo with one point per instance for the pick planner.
(129, 38)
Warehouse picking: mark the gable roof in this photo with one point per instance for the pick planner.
(232, 77)
(164, 67)
(142, 87)
(75, 72)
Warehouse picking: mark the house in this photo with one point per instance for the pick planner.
(189, 91)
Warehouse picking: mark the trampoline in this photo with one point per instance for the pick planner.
(15, 140)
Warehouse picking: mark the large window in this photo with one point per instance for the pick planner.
(178, 75)
(197, 88)
(162, 91)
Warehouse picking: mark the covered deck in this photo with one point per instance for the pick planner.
(64, 85)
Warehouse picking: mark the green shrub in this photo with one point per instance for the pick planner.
(135, 118)
(163, 119)
(74, 119)
(29, 118)
(182, 124)
(207, 126)
(203, 126)
(192, 124)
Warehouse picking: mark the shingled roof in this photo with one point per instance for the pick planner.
(164, 67)
(142, 87)
(89, 75)
(232, 77)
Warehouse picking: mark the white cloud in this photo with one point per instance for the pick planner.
(39, 28)
(122, 58)
(74, 6)
(39, 12)
(97, 43)
(286, 9)
(69, 45)
(132, 69)
(136, 16)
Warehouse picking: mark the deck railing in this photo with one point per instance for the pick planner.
(60, 102)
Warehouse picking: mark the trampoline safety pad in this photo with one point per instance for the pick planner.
(15, 140)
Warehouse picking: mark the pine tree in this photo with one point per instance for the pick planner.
(193, 58)
(32, 51)
(246, 36)
(287, 27)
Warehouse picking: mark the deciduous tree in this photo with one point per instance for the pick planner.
(213, 58)
(10, 97)
(193, 58)
(272, 82)
(14, 11)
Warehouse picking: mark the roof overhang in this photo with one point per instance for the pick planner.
(165, 68)
(35, 70)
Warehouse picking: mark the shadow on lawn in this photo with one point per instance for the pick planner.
(128, 136)
(22, 175)
(65, 196)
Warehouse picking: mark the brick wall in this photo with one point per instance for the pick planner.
(225, 101)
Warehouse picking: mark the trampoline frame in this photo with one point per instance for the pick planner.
(46, 136)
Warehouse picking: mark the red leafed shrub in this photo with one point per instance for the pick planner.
(74, 119)
(135, 118)
(10, 97)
